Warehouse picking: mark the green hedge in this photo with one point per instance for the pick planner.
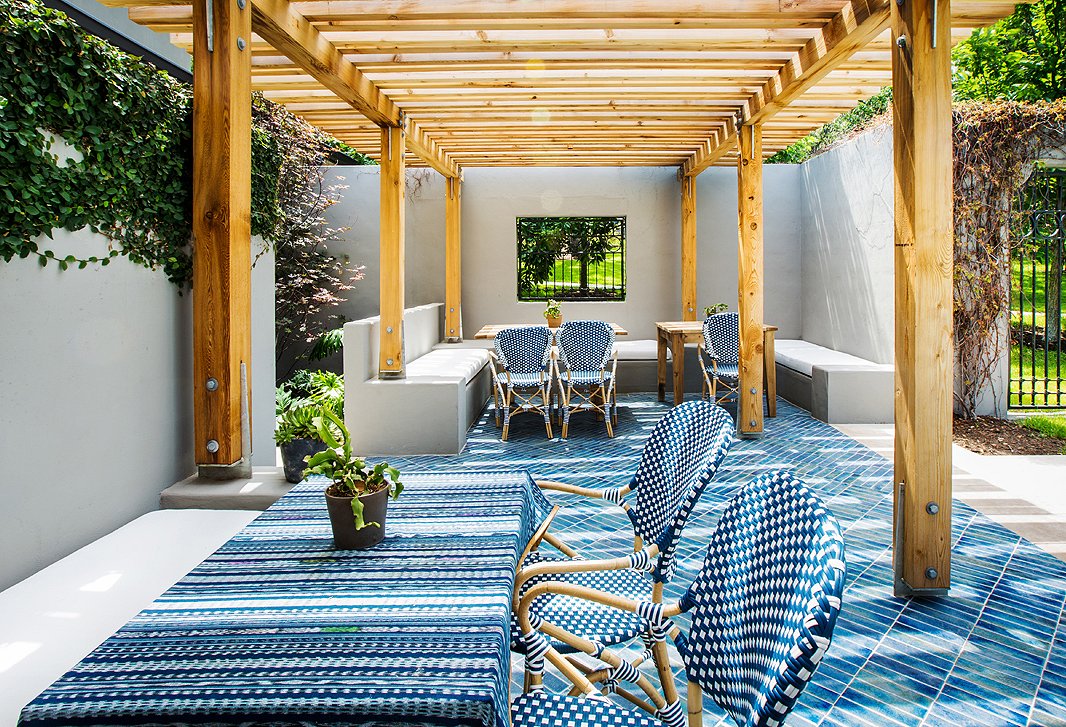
(132, 125)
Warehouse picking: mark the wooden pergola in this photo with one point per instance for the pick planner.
(450, 84)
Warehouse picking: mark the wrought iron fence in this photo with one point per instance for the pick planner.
(571, 258)
(1037, 367)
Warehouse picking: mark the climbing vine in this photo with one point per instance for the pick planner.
(128, 123)
(995, 146)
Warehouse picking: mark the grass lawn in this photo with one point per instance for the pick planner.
(603, 277)
(1033, 284)
(1052, 426)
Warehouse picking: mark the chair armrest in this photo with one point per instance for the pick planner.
(589, 492)
(585, 566)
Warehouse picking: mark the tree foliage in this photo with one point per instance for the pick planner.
(543, 240)
(1020, 58)
(839, 128)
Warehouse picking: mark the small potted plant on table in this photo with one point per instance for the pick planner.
(710, 310)
(358, 495)
(554, 314)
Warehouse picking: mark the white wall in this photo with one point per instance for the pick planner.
(118, 20)
(848, 253)
(95, 405)
(649, 198)
(96, 397)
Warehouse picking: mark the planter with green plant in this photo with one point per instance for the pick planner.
(358, 495)
(554, 314)
(710, 310)
(298, 437)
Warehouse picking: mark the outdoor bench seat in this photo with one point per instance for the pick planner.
(834, 386)
(427, 412)
(637, 362)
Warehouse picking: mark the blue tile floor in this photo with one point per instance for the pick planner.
(992, 653)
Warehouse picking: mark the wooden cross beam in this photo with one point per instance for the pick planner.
(859, 22)
(287, 30)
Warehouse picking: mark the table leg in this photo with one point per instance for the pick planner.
(677, 350)
(661, 370)
(769, 373)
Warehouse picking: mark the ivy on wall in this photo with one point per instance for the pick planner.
(131, 126)
(129, 122)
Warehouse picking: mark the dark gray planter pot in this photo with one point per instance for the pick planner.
(345, 536)
(293, 454)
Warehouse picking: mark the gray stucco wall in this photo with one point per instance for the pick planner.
(118, 20)
(650, 198)
(847, 258)
(96, 398)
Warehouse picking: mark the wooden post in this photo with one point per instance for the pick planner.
(688, 248)
(391, 352)
(221, 227)
(453, 276)
(921, 80)
(750, 278)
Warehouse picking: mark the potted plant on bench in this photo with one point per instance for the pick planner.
(554, 314)
(358, 495)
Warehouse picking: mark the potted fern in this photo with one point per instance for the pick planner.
(358, 494)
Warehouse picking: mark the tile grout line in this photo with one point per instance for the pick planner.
(1047, 658)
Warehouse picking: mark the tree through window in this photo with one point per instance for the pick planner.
(571, 258)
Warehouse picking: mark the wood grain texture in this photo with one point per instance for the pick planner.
(453, 264)
(923, 292)
(221, 221)
(750, 279)
(688, 248)
(391, 255)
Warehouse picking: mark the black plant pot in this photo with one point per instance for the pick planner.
(345, 536)
(293, 457)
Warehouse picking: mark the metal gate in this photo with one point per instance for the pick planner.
(1037, 367)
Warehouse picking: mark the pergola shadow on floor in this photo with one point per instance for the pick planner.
(992, 654)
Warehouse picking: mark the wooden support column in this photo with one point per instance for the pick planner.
(221, 227)
(750, 279)
(391, 257)
(453, 267)
(688, 248)
(921, 80)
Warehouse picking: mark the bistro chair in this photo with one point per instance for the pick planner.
(521, 374)
(762, 611)
(585, 383)
(721, 343)
(679, 460)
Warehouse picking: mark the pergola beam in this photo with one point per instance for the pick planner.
(688, 248)
(859, 22)
(750, 279)
(453, 267)
(289, 32)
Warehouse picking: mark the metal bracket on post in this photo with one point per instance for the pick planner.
(936, 18)
(210, 6)
(902, 589)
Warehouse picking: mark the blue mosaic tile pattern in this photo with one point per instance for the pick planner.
(993, 653)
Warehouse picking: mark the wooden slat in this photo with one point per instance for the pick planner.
(750, 279)
(391, 255)
(278, 22)
(923, 300)
(221, 218)
(857, 24)
(453, 266)
(688, 248)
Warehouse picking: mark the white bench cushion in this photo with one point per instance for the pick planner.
(443, 364)
(639, 350)
(803, 356)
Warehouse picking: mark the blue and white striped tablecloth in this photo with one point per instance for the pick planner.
(277, 627)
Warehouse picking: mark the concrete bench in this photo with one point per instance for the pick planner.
(834, 386)
(430, 410)
(637, 363)
(53, 619)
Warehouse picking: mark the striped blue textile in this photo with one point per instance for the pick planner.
(277, 627)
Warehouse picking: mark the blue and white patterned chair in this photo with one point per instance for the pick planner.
(680, 458)
(585, 349)
(762, 612)
(721, 342)
(521, 374)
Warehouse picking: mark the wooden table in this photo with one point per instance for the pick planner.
(490, 330)
(675, 334)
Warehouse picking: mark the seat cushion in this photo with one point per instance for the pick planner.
(639, 350)
(448, 364)
(554, 710)
(584, 378)
(803, 356)
(521, 379)
(583, 618)
(726, 372)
